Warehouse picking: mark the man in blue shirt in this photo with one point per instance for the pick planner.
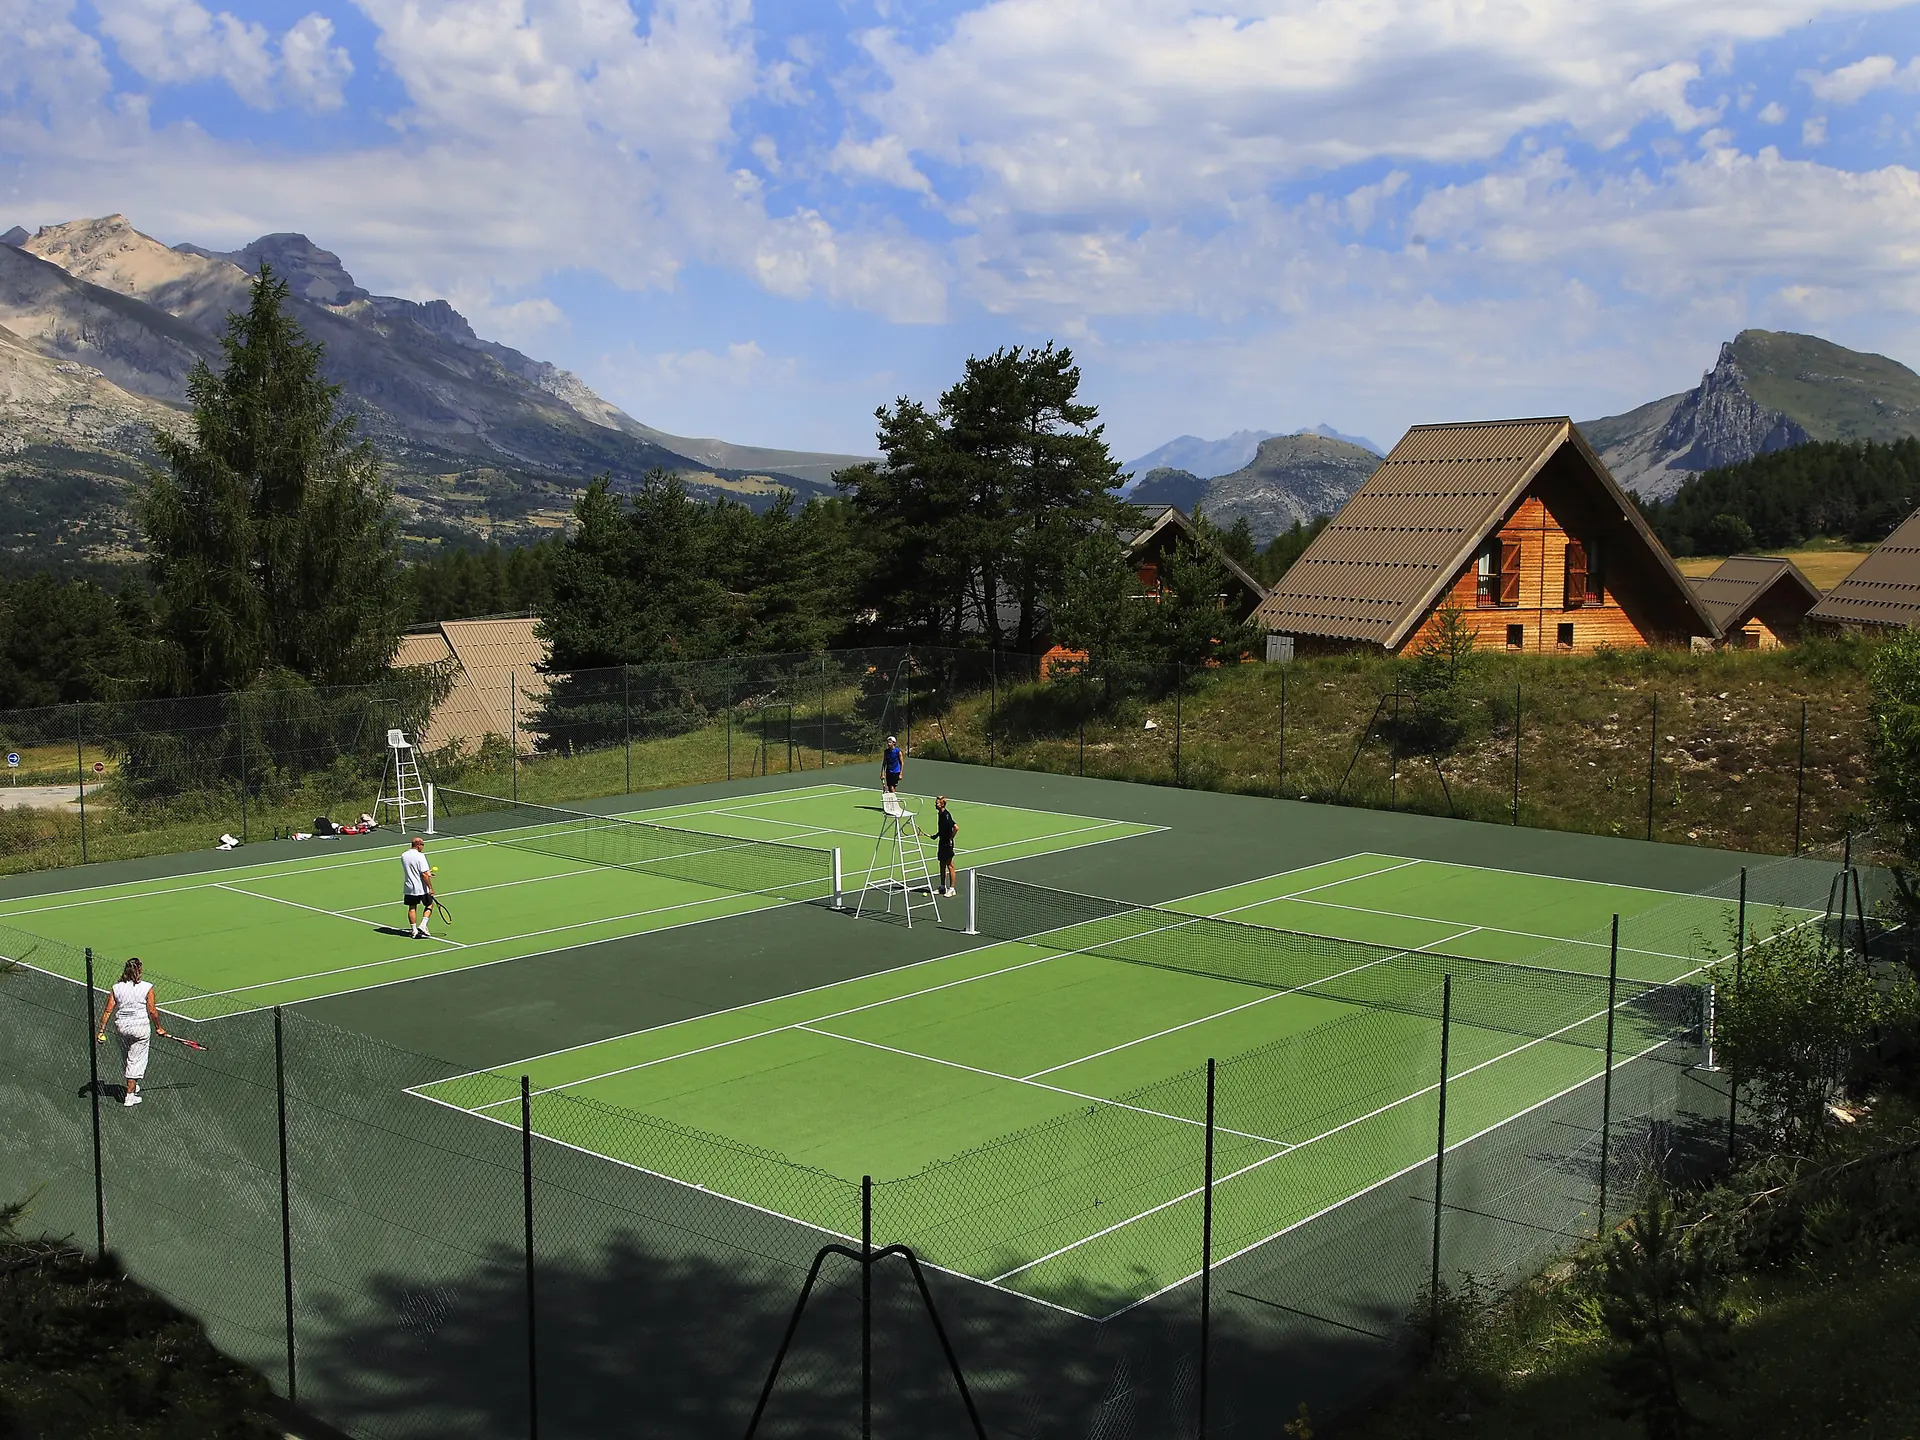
(891, 765)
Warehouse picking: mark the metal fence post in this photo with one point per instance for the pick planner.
(513, 742)
(1081, 768)
(93, 1073)
(1440, 1158)
(823, 712)
(1393, 750)
(1739, 964)
(1179, 682)
(626, 711)
(1800, 779)
(1653, 749)
(243, 776)
(1606, 1074)
(1282, 787)
(993, 704)
(1516, 754)
(80, 768)
(286, 1203)
(1206, 1258)
(526, 1206)
(729, 715)
(866, 1307)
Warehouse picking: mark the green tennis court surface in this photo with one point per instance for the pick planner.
(1030, 1111)
(322, 923)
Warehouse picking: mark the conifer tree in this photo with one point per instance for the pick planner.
(270, 533)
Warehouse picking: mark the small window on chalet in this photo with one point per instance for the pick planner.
(1516, 637)
(1563, 635)
(1583, 574)
(1150, 577)
(1497, 574)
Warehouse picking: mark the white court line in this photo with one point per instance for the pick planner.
(1579, 879)
(1248, 1005)
(1492, 930)
(478, 945)
(316, 910)
(1019, 1080)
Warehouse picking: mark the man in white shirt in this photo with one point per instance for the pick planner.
(419, 892)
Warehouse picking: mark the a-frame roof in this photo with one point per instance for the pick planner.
(1884, 588)
(1389, 555)
(1172, 517)
(1732, 592)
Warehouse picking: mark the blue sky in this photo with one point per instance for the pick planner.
(760, 222)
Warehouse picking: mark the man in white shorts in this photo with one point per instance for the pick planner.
(136, 1020)
(419, 892)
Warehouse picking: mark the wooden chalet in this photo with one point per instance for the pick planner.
(1758, 602)
(1148, 550)
(1150, 547)
(1515, 522)
(1883, 590)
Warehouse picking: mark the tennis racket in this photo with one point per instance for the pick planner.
(436, 903)
(183, 1040)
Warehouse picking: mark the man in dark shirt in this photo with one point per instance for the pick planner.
(948, 827)
(891, 764)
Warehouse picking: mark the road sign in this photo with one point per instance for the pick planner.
(13, 758)
(99, 767)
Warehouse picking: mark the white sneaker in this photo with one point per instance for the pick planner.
(133, 1099)
(413, 932)
(949, 891)
(424, 935)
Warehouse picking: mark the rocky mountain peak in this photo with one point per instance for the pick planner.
(311, 273)
(1719, 422)
(16, 237)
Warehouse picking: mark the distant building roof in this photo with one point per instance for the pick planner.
(1171, 518)
(1387, 558)
(1884, 588)
(494, 660)
(1734, 591)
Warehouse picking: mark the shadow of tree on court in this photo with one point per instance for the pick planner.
(634, 1341)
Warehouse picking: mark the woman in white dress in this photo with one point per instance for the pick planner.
(136, 1020)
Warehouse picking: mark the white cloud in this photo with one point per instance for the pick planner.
(1773, 113)
(315, 69)
(1851, 83)
(1814, 131)
(173, 42)
(884, 160)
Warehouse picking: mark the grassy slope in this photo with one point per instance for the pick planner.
(1725, 753)
(1813, 1355)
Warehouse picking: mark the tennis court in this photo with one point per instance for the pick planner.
(521, 881)
(1029, 1110)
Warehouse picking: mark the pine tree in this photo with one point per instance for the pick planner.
(271, 537)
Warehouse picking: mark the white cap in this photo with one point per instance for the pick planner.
(892, 739)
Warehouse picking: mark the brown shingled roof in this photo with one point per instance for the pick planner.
(1884, 588)
(1732, 592)
(1386, 558)
(495, 660)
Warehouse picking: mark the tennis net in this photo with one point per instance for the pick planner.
(1521, 999)
(725, 862)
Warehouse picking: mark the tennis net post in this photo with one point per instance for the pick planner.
(839, 882)
(973, 902)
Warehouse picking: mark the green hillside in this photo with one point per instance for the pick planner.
(1840, 490)
(1833, 393)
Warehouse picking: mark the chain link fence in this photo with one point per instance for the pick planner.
(410, 1248)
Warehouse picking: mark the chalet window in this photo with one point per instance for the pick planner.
(1150, 577)
(1576, 591)
(1497, 574)
(1563, 635)
(1516, 637)
(1596, 590)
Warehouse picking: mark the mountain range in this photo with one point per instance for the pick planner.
(1289, 478)
(100, 326)
(1208, 458)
